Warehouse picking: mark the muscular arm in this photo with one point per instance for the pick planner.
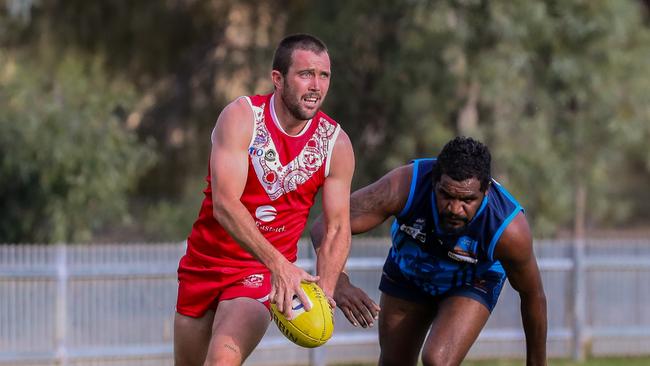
(335, 244)
(515, 251)
(373, 204)
(229, 169)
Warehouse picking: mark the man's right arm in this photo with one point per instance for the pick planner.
(369, 207)
(229, 171)
(515, 252)
(373, 204)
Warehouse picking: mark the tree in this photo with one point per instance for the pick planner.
(558, 90)
(67, 160)
(182, 60)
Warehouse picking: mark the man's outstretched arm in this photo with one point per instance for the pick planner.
(515, 251)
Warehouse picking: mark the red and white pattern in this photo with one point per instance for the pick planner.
(278, 179)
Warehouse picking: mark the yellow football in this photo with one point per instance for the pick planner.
(307, 328)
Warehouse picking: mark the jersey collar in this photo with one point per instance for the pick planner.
(276, 121)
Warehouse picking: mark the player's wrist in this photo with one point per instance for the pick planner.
(328, 290)
(277, 263)
(344, 277)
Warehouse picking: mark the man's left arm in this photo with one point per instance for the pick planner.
(515, 251)
(335, 247)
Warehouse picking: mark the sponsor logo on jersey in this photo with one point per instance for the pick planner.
(266, 213)
(253, 281)
(464, 250)
(416, 231)
(270, 155)
(270, 229)
(254, 151)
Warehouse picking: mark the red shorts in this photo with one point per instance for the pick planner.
(202, 286)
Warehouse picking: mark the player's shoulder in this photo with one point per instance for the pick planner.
(398, 181)
(342, 156)
(403, 173)
(241, 105)
(342, 139)
(234, 122)
(516, 237)
(518, 227)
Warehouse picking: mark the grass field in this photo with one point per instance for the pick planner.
(553, 362)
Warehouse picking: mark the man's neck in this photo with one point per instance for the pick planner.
(285, 119)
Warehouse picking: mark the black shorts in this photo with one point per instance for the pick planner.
(484, 289)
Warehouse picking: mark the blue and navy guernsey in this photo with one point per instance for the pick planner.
(436, 262)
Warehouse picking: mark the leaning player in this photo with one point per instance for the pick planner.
(270, 155)
(457, 234)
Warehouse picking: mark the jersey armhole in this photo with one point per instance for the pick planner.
(414, 180)
(250, 104)
(330, 149)
(499, 232)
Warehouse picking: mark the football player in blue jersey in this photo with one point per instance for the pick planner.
(457, 234)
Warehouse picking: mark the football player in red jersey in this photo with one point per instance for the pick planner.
(270, 156)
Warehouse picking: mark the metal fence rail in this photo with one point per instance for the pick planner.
(114, 305)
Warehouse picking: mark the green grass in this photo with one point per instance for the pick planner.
(552, 362)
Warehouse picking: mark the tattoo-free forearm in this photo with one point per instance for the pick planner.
(533, 315)
(331, 256)
(317, 232)
(233, 216)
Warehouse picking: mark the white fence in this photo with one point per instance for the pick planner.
(114, 305)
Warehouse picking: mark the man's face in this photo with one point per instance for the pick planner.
(457, 202)
(305, 86)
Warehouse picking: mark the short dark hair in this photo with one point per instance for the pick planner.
(301, 41)
(464, 158)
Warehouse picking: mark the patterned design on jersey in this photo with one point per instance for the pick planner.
(278, 179)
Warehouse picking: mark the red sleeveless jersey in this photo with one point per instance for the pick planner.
(284, 174)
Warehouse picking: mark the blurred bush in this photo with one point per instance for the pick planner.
(67, 160)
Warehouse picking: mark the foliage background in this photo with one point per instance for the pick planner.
(106, 107)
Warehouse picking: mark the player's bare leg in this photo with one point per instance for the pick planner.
(453, 331)
(191, 338)
(239, 325)
(402, 328)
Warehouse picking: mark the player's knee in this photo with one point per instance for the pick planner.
(185, 360)
(186, 357)
(437, 359)
(223, 359)
(385, 360)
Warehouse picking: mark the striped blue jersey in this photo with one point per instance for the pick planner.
(437, 261)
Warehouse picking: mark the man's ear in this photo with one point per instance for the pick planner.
(277, 78)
